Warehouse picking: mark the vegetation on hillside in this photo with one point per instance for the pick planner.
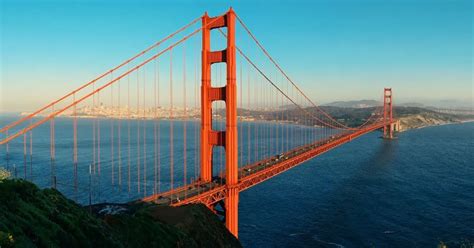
(30, 217)
(4, 174)
(411, 117)
(461, 244)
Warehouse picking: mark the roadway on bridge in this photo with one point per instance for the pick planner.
(192, 192)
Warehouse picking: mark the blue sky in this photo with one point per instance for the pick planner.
(336, 50)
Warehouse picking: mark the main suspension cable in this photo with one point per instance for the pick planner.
(54, 114)
(101, 76)
(280, 90)
(286, 75)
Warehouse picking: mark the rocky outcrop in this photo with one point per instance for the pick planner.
(424, 119)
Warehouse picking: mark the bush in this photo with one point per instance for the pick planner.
(4, 174)
(6, 239)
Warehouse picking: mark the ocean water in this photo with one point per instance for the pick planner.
(103, 177)
(413, 191)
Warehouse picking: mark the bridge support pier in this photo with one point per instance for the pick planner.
(232, 210)
(228, 138)
(387, 114)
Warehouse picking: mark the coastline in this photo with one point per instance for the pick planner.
(434, 125)
(407, 121)
(422, 120)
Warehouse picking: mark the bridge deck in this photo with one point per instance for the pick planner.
(212, 192)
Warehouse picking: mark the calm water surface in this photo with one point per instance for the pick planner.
(410, 192)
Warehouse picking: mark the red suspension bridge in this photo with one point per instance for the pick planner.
(145, 128)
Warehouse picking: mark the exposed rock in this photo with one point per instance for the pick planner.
(424, 119)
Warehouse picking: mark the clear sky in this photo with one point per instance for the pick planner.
(334, 49)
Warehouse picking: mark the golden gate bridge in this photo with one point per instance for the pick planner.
(146, 127)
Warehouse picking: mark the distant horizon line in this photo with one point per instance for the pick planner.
(451, 104)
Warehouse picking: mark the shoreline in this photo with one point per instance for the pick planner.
(436, 125)
(404, 126)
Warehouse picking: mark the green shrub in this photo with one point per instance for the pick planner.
(6, 239)
(4, 174)
(33, 217)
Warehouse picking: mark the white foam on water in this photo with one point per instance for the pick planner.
(315, 237)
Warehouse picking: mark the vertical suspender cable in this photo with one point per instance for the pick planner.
(144, 132)
(288, 122)
(75, 147)
(98, 145)
(112, 129)
(31, 154)
(158, 135)
(248, 123)
(270, 125)
(241, 100)
(7, 147)
(256, 125)
(185, 118)
(221, 124)
(128, 124)
(171, 121)
(53, 176)
(196, 148)
(275, 99)
(138, 131)
(154, 131)
(24, 155)
(119, 138)
(93, 130)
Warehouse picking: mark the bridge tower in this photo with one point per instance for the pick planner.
(387, 113)
(228, 138)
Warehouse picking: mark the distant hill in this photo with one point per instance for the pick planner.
(410, 117)
(354, 104)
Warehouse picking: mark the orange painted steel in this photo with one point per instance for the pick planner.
(4, 129)
(283, 93)
(206, 111)
(303, 154)
(342, 126)
(247, 58)
(252, 175)
(387, 113)
(95, 91)
(207, 190)
(228, 94)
